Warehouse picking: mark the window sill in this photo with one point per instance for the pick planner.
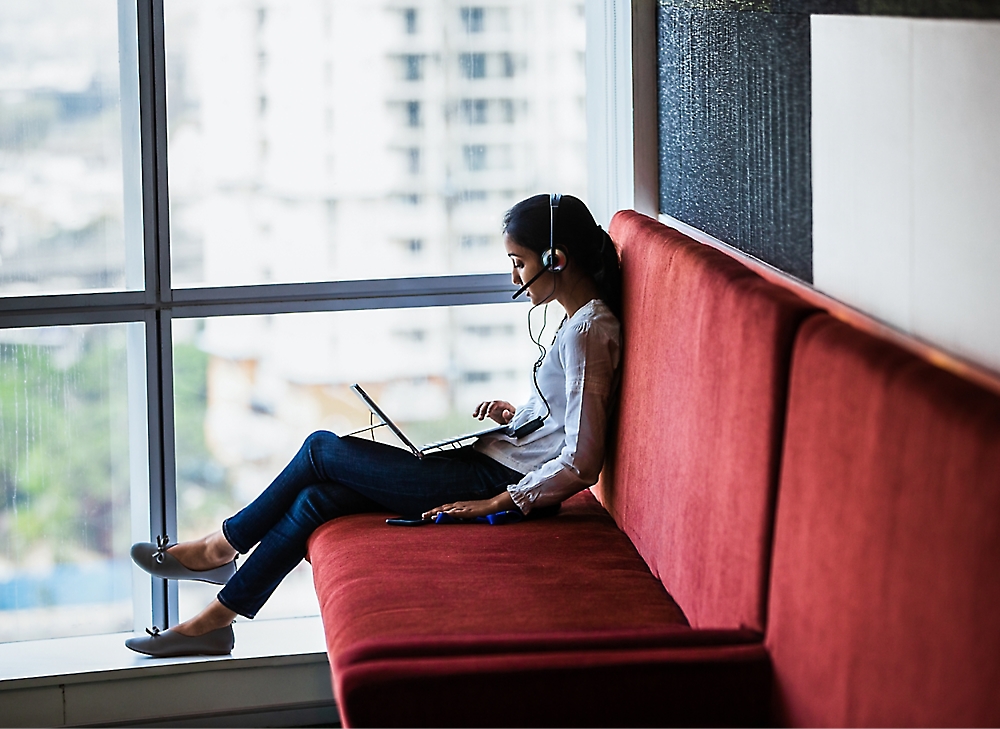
(277, 666)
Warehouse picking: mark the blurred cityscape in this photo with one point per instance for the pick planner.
(61, 143)
(308, 140)
(340, 139)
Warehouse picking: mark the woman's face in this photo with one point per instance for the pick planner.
(526, 263)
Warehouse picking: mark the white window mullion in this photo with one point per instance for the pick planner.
(622, 147)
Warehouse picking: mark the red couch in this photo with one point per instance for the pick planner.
(734, 568)
(886, 568)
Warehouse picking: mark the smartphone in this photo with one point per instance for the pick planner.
(408, 521)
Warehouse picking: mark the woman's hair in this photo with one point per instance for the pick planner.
(577, 233)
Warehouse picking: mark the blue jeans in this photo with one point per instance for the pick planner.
(330, 477)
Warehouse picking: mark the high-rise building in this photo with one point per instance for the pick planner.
(315, 140)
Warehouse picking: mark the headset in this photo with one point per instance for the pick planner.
(554, 259)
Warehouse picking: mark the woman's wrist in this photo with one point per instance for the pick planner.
(503, 502)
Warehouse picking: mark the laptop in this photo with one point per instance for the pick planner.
(418, 452)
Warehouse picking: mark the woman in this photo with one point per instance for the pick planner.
(559, 451)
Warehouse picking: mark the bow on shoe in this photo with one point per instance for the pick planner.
(161, 548)
(154, 633)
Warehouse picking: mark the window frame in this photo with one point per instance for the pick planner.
(621, 170)
(158, 303)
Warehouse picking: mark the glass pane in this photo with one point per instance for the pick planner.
(288, 164)
(65, 462)
(70, 218)
(248, 390)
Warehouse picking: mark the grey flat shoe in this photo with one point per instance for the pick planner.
(155, 560)
(171, 643)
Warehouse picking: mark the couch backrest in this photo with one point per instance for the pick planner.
(693, 471)
(886, 573)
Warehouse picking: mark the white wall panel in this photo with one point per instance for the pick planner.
(906, 175)
(861, 152)
(956, 186)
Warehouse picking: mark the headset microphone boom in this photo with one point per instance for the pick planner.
(554, 260)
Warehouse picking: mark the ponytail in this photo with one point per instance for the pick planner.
(608, 276)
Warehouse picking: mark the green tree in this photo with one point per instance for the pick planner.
(203, 489)
(64, 447)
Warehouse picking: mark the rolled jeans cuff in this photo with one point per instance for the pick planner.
(225, 603)
(234, 543)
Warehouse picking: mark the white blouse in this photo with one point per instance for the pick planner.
(578, 378)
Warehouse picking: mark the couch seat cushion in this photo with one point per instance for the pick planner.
(572, 572)
(554, 622)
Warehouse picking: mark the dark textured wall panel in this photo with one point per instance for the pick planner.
(734, 106)
(913, 8)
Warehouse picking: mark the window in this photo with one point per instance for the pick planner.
(413, 113)
(65, 465)
(481, 157)
(485, 111)
(65, 226)
(406, 198)
(472, 19)
(475, 242)
(410, 20)
(413, 67)
(506, 111)
(474, 111)
(190, 328)
(485, 65)
(506, 65)
(475, 156)
(467, 196)
(228, 163)
(472, 65)
(249, 389)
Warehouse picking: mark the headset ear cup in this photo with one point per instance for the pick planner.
(560, 262)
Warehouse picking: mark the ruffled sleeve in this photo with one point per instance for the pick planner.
(590, 357)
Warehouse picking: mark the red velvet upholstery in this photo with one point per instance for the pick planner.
(415, 612)
(559, 621)
(721, 685)
(575, 571)
(692, 482)
(886, 576)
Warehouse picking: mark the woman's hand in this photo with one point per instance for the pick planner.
(499, 411)
(472, 509)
